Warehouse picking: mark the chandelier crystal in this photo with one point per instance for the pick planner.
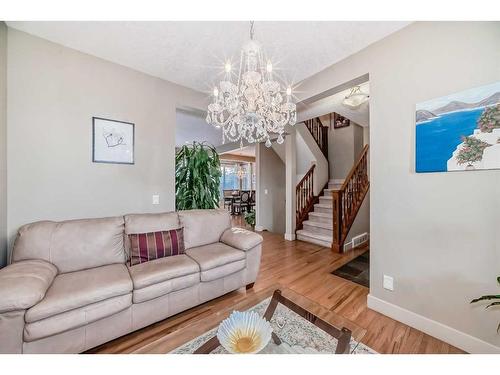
(254, 107)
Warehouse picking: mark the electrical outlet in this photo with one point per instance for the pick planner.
(388, 283)
(156, 199)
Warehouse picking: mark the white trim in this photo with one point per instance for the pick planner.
(443, 332)
(290, 236)
(259, 228)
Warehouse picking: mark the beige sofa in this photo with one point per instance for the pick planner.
(69, 287)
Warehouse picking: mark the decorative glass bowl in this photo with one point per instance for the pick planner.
(244, 333)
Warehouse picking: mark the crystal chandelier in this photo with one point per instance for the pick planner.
(255, 106)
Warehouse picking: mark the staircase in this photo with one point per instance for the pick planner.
(318, 229)
(327, 219)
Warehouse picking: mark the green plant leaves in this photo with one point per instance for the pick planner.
(197, 177)
(483, 298)
(490, 297)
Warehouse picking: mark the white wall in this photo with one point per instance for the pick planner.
(3, 144)
(344, 147)
(53, 92)
(437, 233)
(193, 127)
(270, 212)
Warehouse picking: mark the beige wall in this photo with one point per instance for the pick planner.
(436, 234)
(271, 177)
(53, 94)
(3, 144)
(344, 146)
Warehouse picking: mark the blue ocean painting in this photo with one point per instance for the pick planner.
(436, 139)
(442, 123)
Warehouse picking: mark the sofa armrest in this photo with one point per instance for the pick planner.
(23, 284)
(241, 239)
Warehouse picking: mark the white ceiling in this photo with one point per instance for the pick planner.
(245, 151)
(191, 53)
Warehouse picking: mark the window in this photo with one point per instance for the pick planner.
(236, 176)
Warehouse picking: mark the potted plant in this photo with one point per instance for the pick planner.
(197, 177)
(250, 218)
(490, 297)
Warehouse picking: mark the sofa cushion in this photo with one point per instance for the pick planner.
(241, 239)
(161, 276)
(203, 227)
(222, 271)
(214, 255)
(165, 287)
(76, 318)
(217, 260)
(77, 289)
(72, 245)
(145, 247)
(142, 223)
(162, 269)
(24, 284)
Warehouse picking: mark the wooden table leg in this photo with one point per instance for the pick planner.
(344, 342)
(207, 347)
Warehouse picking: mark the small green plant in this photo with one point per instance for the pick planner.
(471, 150)
(250, 218)
(197, 177)
(490, 297)
(489, 119)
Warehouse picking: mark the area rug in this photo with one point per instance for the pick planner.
(297, 334)
(357, 270)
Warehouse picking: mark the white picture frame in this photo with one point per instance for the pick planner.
(112, 141)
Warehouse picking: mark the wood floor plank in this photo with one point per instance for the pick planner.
(306, 270)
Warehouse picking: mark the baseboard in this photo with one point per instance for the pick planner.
(438, 330)
(259, 228)
(290, 236)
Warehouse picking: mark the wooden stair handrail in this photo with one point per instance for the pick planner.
(355, 167)
(320, 134)
(348, 199)
(304, 192)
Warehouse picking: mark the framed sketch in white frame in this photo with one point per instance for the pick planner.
(112, 141)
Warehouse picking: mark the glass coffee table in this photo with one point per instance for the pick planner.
(300, 325)
(277, 346)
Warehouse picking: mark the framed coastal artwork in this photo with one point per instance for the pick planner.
(459, 132)
(112, 141)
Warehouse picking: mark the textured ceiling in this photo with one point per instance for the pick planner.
(191, 53)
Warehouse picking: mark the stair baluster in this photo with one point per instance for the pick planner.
(304, 196)
(348, 199)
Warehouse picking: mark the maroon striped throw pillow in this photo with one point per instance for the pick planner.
(154, 245)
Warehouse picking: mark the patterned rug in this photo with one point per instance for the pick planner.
(296, 333)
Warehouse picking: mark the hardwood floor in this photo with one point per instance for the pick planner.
(305, 269)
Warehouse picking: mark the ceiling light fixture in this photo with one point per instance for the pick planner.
(355, 98)
(255, 106)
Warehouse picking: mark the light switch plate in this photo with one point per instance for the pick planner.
(388, 283)
(156, 199)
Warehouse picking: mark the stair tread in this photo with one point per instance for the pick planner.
(326, 197)
(318, 224)
(317, 236)
(321, 205)
(321, 214)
